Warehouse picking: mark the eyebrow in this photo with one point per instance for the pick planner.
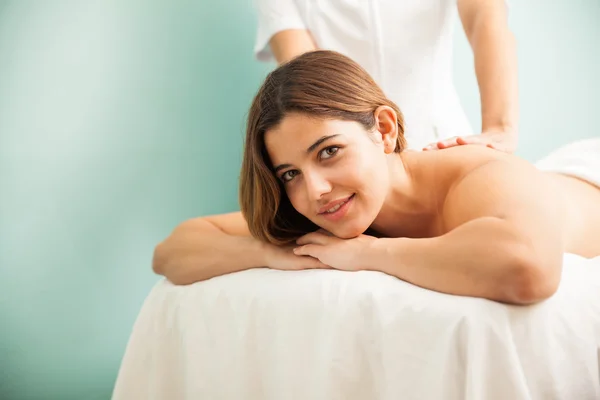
(310, 149)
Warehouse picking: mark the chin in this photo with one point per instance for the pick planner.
(349, 232)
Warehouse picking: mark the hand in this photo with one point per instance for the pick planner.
(283, 258)
(502, 140)
(344, 254)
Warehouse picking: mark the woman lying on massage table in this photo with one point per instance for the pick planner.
(325, 149)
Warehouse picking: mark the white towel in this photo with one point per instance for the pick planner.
(580, 159)
(335, 335)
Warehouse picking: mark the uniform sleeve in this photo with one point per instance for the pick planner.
(274, 16)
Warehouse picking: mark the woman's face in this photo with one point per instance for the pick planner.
(335, 172)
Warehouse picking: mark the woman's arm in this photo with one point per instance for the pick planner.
(290, 43)
(202, 248)
(505, 241)
(505, 224)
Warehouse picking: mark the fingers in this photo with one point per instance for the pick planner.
(443, 144)
(464, 140)
(308, 250)
(459, 141)
(310, 256)
(315, 238)
(313, 263)
(450, 142)
(474, 139)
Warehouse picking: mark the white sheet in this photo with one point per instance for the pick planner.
(580, 159)
(322, 334)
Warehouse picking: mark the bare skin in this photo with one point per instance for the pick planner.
(442, 170)
(421, 199)
(582, 202)
(467, 220)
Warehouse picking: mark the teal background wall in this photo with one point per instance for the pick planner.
(120, 119)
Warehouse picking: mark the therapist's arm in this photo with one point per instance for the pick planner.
(290, 43)
(494, 49)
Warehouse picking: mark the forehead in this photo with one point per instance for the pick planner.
(297, 132)
(297, 127)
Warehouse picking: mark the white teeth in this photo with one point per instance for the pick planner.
(336, 207)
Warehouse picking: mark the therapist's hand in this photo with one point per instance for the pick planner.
(502, 140)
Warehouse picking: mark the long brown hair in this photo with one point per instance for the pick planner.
(323, 84)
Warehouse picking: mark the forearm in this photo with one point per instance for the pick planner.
(482, 258)
(201, 251)
(494, 50)
(291, 43)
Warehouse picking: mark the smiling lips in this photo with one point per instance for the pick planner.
(336, 209)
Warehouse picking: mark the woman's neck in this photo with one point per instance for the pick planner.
(414, 198)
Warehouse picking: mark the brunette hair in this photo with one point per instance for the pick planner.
(323, 84)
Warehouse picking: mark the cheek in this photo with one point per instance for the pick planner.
(371, 180)
(296, 199)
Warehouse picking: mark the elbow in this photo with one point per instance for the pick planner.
(533, 280)
(158, 259)
(161, 265)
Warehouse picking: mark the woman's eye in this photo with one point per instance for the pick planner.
(289, 175)
(328, 152)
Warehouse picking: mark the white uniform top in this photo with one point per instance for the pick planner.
(406, 46)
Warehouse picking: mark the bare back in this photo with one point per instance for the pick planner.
(583, 210)
(576, 200)
(440, 171)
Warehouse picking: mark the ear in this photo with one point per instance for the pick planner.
(386, 123)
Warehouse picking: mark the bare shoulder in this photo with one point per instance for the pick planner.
(468, 158)
(504, 187)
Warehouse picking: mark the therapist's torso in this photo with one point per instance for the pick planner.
(406, 46)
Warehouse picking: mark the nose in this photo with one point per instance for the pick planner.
(317, 185)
